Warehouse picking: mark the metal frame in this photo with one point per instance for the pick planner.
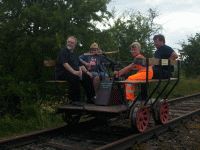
(148, 94)
(160, 80)
(168, 81)
(178, 78)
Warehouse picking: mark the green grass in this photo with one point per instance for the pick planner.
(186, 87)
(36, 117)
(31, 119)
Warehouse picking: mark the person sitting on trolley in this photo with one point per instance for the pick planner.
(140, 74)
(69, 68)
(94, 61)
(163, 52)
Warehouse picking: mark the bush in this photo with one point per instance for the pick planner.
(13, 92)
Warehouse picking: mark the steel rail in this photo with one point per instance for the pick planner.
(175, 100)
(30, 137)
(129, 141)
(40, 135)
(119, 144)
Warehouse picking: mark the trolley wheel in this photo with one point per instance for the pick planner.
(140, 117)
(161, 112)
(71, 119)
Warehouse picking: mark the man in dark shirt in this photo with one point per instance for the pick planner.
(163, 52)
(68, 68)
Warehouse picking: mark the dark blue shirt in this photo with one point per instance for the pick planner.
(163, 52)
(98, 62)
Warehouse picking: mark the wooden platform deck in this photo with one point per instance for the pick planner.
(95, 108)
(144, 81)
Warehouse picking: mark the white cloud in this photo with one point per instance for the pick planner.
(153, 2)
(176, 21)
(179, 25)
(171, 2)
(179, 18)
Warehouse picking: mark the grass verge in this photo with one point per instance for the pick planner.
(34, 117)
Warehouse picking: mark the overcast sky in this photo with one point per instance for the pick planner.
(180, 19)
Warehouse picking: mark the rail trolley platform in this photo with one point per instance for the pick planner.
(111, 100)
(94, 108)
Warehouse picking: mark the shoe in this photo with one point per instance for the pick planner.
(77, 103)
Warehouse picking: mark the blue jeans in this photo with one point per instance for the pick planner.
(102, 75)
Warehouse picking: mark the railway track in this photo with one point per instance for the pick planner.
(115, 134)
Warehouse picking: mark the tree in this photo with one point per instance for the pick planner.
(131, 27)
(191, 56)
(31, 30)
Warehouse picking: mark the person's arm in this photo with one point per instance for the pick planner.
(86, 64)
(123, 70)
(70, 69)
(86, 71)
(81, 58)
(173, 56)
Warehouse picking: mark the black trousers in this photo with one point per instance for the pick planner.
(74, 91)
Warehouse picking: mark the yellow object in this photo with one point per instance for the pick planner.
(94, 45)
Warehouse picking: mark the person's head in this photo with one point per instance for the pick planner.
(71, 42)
(135, 48)
(94, 48)
(159, 40)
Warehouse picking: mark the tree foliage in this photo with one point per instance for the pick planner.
(191, 56)
(134, 26)
(32, 30)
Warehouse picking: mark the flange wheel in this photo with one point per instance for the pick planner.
(71, 119)
(161, 112)
(140, 117)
